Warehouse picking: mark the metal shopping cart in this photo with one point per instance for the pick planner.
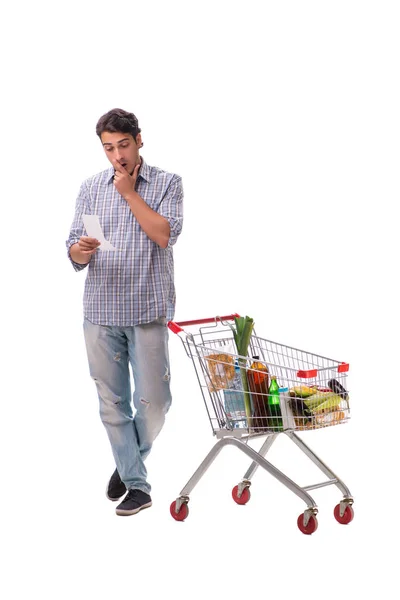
(311, 394)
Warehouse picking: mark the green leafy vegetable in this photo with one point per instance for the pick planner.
(242, 335)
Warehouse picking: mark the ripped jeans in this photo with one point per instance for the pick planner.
(110, 350)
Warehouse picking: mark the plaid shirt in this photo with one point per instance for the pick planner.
(135, 283)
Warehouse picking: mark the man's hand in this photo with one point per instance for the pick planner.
(82, 251)
(88, 245)
(124, 182)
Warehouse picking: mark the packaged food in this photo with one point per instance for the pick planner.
(302, 423)
(331, 417)
(220, 369)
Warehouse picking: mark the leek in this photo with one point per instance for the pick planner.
(242, 336)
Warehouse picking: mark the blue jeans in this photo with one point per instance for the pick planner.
(110, 350)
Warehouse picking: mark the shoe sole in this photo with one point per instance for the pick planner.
(125, 513)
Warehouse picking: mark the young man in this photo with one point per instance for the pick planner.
(129, 297)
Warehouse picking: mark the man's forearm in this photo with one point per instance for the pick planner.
(78, 256)
(154, 225)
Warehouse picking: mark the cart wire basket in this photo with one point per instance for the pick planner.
(274, 390)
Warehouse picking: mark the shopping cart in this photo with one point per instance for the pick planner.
(312, 394)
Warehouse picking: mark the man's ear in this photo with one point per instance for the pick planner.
(139, 142)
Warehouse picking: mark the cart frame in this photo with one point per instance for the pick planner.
(307, 521)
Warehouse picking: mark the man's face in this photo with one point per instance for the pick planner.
(123, 148)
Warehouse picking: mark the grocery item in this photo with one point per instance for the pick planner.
(236, 383)
(234, 401)
(302, 391)
(275, 420)
(332, 403)
(242, 335)
(312, 402)
(337, 387)
(303, 425)
(235, 409)
(321, 388)
(330, 418)
(285, 404)
(300, 410)
(258, 380)
(313, 410)
(221, 371)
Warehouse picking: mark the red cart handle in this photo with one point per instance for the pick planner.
(177, 327)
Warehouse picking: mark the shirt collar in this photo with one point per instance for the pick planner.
(144, 172)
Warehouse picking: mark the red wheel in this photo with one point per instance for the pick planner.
(347, 516)
(311, 526)
(183, 511)
(244, 498)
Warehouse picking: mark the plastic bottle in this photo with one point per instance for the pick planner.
(234, 401)
(258, 379)
(275, 422)
(236, 383)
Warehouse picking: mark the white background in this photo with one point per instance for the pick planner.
(283, 120)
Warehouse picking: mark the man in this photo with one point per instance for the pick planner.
(129, 297)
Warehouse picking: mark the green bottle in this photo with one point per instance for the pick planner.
(275, 420)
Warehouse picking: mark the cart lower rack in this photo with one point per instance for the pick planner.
(308, 392)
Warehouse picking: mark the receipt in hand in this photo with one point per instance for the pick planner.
(93, 229)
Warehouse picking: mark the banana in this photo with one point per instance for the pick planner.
(302, 391)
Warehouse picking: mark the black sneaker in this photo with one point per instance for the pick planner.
(134, 501)
(116, 488)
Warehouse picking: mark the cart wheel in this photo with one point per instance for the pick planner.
(183, 511)
(311, 526)
(348, 514)
(244, 498)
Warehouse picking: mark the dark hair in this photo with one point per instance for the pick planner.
(118, 120)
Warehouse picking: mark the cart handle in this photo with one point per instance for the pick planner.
(176, 327)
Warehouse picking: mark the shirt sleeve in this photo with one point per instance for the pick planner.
(171, 207)
(77, 229)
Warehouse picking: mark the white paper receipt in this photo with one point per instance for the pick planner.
(93, 229)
